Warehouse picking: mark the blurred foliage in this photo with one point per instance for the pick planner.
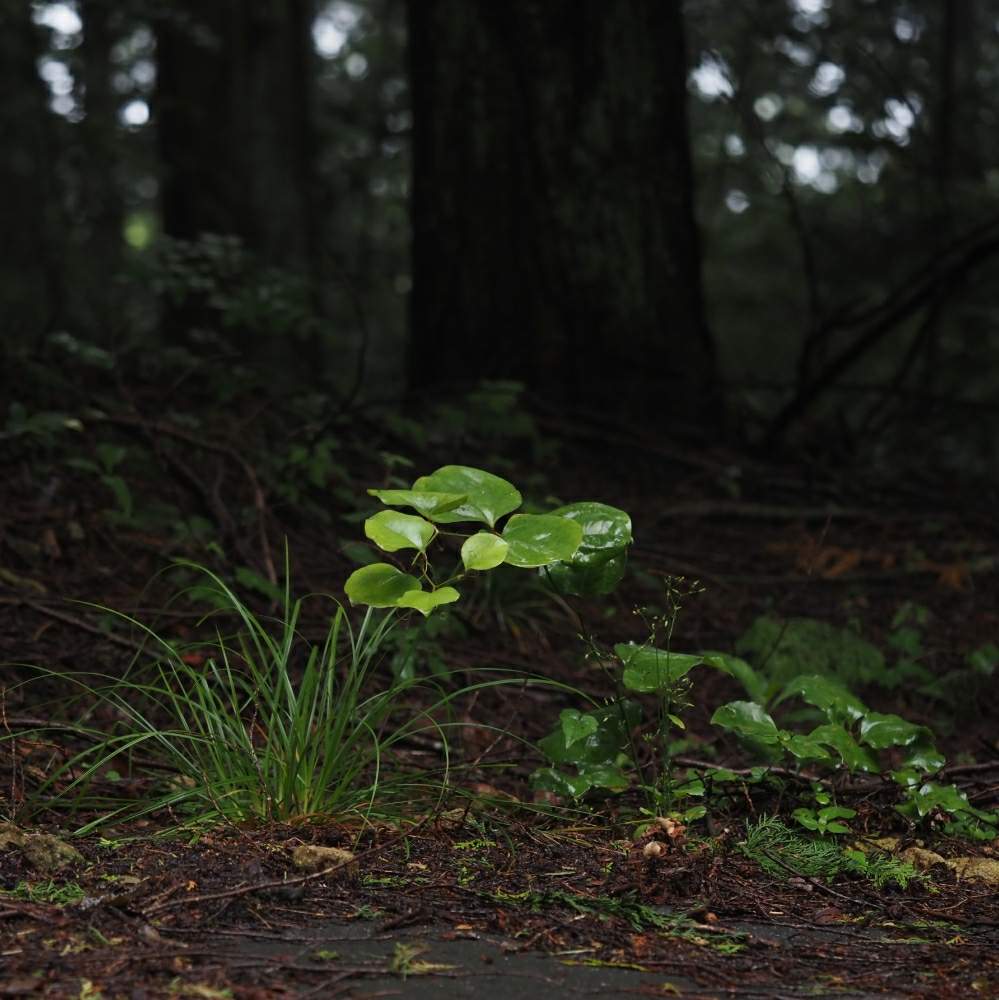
(846, 161)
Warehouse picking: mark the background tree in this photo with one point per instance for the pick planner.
(553, 231)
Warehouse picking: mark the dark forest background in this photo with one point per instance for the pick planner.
(773, 223)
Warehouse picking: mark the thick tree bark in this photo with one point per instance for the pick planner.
(554, 238)
(29, 279)
(233, 112)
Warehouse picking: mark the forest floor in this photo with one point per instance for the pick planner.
(487, 896)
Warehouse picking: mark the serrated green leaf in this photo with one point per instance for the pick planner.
(747, 719)
(427, 502)
(881, 731)
(540, 539)
(392, 530)
(487, 497)
(854, 756)
(379, 585)
(426, 601)
(483, 551)
(647, 669)
(832, 698)
(802, 747)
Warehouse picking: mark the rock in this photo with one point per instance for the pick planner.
(43, 852)
(976, 869)
(315, 856)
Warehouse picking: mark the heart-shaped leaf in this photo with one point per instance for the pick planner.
(647, 669)
(487, 497)
(392, 530)
(483, 551)
(747, 719)
(379, 585)
(576, 726)
(835, 700)
(427, 502)
(425, 601)
(540, 539)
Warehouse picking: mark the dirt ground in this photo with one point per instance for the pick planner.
(488, 896)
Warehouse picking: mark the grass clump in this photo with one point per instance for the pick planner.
(258, 722)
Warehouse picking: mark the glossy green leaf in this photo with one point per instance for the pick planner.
(882, 731)
(487, 497)
(925, 757)
(576, 726)
(588, 574)
(802, 747)
(747, 719)
(754, 684)
(425, 601)
(483, 551)
(832, 698)
(854, 756)
(598, 564)
(539, 539)
(605, 776)
(549, 779)
(931, 795)
(427, 502)
(392, 530)
(603, 744)
(604, 527)
(647, 669)
(379, 585)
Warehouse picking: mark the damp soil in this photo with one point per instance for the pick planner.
(487, 895)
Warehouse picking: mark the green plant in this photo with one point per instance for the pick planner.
(854, 738)
(601, 743)
(256, 723)
(47, 891)
(780, 851)
(580, 546)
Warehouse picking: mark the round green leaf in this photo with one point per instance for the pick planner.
(391, 530)
(487, 497)
(598, 564)
(379, 585)
(483, 551)
(425, 601)
(747, 719)
(539, 539)
(647, 669)
(427, 502)
(604, 527)
(588, 574)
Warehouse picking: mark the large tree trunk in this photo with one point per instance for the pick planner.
(233, 107)
(29, 278)
(554, 238)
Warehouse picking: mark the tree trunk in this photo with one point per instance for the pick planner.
(29, 278)
(554, 240)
